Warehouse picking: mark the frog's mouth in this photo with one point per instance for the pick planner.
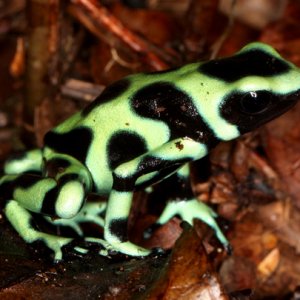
(289, 100)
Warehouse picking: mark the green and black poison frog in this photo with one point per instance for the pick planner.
(141, 130)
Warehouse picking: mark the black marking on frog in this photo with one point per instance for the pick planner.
(55, 166)
(111, 92)
(124, 146)
(164, 101)
(16, 156)
(75, 143)
(123, 184)
(67, 178)
(24, 181)
(150, 163)
(147, 165)
(160, 177)
(48, 206)
(118, 228)
(254, 62)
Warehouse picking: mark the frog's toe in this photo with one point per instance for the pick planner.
(192, 209)
(198, 210)
(228, 248)
(81, 250)
(126, 248)
(55, 243)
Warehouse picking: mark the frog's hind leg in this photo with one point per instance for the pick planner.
(30, 161)
(90, 213)
(22, 220)
(61, 194)
(183, 203)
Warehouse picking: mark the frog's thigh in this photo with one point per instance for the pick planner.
(25, 162)
(21, 219)
(62, 198)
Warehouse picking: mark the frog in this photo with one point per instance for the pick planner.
(140, 132)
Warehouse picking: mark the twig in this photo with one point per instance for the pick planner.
(81, 90)
(103, 18)
(43, 27)
(218, 44)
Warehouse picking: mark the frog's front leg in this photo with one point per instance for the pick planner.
(60, 194)
(125, 178)
(183, 203)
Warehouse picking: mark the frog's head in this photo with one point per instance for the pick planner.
(260, 85)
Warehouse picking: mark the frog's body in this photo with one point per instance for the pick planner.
(141, 130)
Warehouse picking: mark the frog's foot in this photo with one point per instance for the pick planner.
(55, 243)
(89, 213)
(189, 210)
(21, 219)
(126, 248)
(116, 248)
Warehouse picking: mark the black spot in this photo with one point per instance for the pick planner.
(174, 188)
(159, 177)
(147, 165)
(75, 143)
(32, 222)
(123, 184)
(48, 207)
(124, 146)
(177, 187)
(24, 181)
(67, 178)
(233, 109)
(163, 101)
(111, 92)
(251, 63)
(118, 228)
(17, 156)
(55, 166)
(151, 164)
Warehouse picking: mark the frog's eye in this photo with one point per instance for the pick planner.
(255, 102)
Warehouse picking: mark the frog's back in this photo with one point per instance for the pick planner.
(106, 133)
